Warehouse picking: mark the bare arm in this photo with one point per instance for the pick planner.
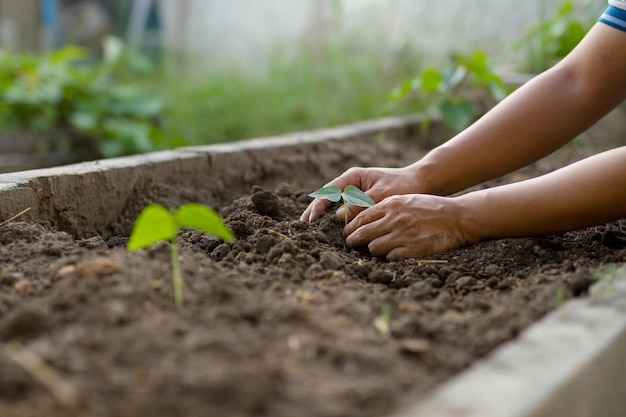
(537, 119)
(534, 121)
(589, 192)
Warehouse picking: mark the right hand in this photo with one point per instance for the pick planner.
(378, 183)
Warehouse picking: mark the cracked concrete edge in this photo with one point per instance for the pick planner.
(85, 198)
(367, 130)
(569, 364)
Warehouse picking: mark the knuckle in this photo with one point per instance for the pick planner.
(375, 249)
(394, 200)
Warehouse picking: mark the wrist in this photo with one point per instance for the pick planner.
(473, 217)
(423, 176)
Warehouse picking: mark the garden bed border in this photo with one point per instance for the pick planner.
(568, 364)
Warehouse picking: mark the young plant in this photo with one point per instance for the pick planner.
(551, 40)
(458, 93)
(156, 223)
(382, 323)
(350, 195)
(69, 92)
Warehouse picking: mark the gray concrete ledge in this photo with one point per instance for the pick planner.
(570, 364)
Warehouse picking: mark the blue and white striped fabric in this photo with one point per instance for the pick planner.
(615, 15)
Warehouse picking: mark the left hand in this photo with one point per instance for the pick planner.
(408, 226)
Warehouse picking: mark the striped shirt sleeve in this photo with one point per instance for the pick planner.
(615, 14)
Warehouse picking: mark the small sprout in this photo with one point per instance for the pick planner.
(350, 195)
(156, 223)
(560, 297)
(382, 323)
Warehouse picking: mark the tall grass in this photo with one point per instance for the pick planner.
(310, 88)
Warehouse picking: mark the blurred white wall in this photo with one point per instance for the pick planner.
(243, 32)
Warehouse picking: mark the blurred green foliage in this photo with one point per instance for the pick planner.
(121, 103)
(551, 40)
(303, 88)
(67, 90)
(459, 92)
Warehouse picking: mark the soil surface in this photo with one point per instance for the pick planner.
(284, 322)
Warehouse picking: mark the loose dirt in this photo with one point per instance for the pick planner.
(284, 322)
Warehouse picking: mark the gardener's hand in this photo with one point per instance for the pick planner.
(408, 226)
(378, 183)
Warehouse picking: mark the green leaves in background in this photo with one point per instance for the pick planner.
(68, 90)
(457, 113)
(554, 38)
(454, 92)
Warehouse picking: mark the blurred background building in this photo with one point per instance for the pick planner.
(225, 70)
(244, 32)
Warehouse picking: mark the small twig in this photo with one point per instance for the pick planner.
(432, 261)
(21, 213)
(277, 234)
(47, 376)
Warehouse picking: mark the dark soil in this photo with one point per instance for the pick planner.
(284, 322)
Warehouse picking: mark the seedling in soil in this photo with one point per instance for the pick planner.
(382, 323)
(156, 224)
(350, 195)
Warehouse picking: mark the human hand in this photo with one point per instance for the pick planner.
(408, 226)
(378, 183)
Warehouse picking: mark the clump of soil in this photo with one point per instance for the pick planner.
(285, 321)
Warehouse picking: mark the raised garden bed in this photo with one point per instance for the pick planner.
(285, 321)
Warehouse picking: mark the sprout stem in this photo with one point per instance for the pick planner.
(176, 274)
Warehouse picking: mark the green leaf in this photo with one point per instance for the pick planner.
(453, 77)
(204, 219)
(356, 197)
(403, 90)
(154, 224)
(68, 54)
(431, 80)
(458, 114)
(497, 90)
(332, 193)
(83, 121)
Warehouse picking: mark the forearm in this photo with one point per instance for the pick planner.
(590, 192)
(534, 121)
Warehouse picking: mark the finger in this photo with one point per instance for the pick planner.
(363, 229)
(353, 211)
(383, 245)
(318, 206)
(315, 209)
(399, 253)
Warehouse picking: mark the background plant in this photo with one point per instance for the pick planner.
(459, 92)
(303, 88)
(68, 90)
(552, 39)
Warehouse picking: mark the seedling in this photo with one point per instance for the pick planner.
(156, 224)
(382, 323)
(350, 195)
